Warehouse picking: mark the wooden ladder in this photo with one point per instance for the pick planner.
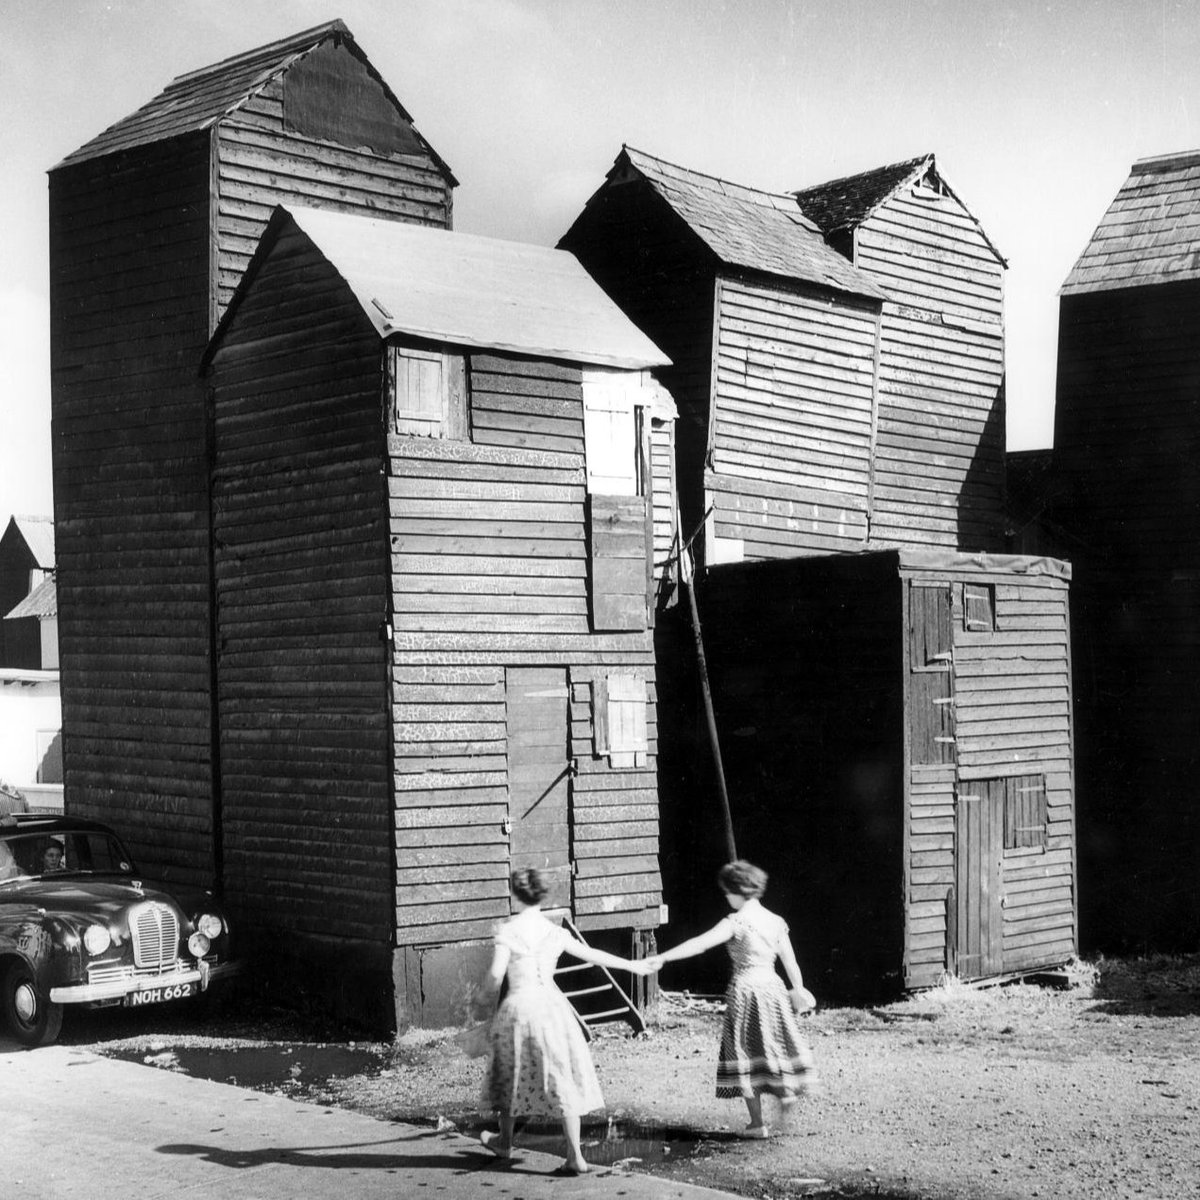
(597, 982)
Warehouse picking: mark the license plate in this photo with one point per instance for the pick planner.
(156, 995)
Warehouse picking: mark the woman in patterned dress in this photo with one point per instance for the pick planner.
(762, 1048)
(540, 1064)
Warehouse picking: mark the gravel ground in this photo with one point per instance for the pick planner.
(955, 1093)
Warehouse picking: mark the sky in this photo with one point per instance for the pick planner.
(1035, 109)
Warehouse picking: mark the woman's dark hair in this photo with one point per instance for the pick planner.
(528, 885)
(742, 879)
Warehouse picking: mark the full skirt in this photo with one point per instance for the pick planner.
(762, 1048)
(540, 1064)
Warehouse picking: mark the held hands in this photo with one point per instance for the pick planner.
(646, 966)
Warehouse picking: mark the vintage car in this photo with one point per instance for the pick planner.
(80, 925)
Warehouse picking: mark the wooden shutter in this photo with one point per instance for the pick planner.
(979, 607)
(620, 551)
(610, 432)
(627, 744)
(428, 393)
(931, 680)
(1025, 815)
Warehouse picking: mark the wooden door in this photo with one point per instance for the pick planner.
(978, 861)
(539, 776)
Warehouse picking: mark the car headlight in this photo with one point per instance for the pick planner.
(198, 945)
(210, 925)
(96, 939)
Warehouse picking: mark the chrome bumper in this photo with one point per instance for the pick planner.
(116, 988)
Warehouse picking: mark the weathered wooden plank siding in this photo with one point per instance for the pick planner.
(490, 570)
(300, 562)
(664, 486)
(940, 448)
(128, 279)
(1012, 717)
(792, 420)
(260, 163)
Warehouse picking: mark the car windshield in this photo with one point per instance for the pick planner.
(74, 852)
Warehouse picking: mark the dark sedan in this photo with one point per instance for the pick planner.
(80, 925)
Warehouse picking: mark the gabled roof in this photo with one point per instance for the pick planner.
(1151, 231)
(38, 535)
(201, 98)
(745, 227)
(42, 602)
(464, 290)
(846, 203)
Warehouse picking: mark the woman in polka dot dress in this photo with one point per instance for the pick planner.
(540, 1064)
(762, 1051)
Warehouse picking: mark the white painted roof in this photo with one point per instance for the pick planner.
(474, 291)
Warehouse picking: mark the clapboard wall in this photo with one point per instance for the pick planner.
(793, 418)
(939, 457)
(489, 572)
(301, 573)
(146, 244)
(1010, 717)
(129, 301)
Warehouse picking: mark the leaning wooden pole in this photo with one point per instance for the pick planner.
(702, 662)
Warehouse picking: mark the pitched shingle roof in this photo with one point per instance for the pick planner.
(745, 227)
(200, 98)
(38, 533)
(466, 290)
(846, 203)
(41, 602)
(1151, 231)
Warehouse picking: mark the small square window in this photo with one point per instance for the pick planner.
(1025, 812)
(428, 393)
(619, 720)
(978, 607)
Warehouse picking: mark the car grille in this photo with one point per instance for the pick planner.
(154, 930)
(110, 972)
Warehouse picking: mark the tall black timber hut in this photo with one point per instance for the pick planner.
(151, 225)
(1123, 498)
(433, 520)
(831, 406)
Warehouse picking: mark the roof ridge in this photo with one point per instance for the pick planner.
(903, 162)
(1156, 163)
(744, 187)
(308, 36)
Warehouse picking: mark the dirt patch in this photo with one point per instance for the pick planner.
(953, 1094)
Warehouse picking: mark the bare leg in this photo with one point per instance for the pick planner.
(500, 1144)
(507, 1124)
(575, 1159)
(754, 1109)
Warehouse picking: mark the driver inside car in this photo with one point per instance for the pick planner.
(52, 858)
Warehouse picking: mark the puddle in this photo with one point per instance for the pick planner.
(604, 1142)
(294, 1065)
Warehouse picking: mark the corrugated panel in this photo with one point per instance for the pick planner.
(1149, 234)
(473, 291)
(41, 602)
(745, 227)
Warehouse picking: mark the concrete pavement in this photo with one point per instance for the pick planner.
(77, 1126)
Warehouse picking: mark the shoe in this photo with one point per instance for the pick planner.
(491, 1141)
(566, 1169)
(756, 1132)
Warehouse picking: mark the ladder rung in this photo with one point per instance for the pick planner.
(604, 987)
(580, 967)
(610, 1012)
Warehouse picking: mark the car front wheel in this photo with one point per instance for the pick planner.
(29, 1013)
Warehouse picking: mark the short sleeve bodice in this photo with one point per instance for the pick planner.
(756, 933)
(534, 947)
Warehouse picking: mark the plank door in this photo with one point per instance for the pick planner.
(978, 861)
(539, 776)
